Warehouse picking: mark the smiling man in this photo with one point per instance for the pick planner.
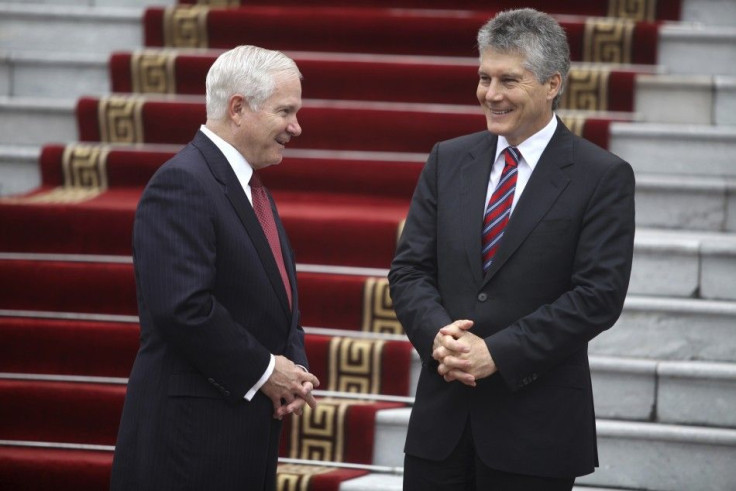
(516, 252)
(221, 358)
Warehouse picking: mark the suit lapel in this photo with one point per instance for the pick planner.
(544, 187)
(474, 185)
(236, 195)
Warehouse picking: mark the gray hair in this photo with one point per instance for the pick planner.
(246, 70)
(534, 35)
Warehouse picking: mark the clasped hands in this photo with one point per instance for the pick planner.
(289, 387)
(462, 355)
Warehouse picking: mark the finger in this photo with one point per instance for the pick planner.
(453, 362)
(311, 401)
(461, 376)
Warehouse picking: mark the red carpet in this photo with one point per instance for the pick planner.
(646, 10)
(340, 77)
(353, 30)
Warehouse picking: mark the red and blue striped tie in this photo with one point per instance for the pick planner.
(499, 207)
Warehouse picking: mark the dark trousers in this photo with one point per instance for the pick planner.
(464, 471)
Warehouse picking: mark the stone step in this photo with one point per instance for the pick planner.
(709, 12)
(676, 329)
(699, 49)
(686, 202)
(70, 28)
(53, 74)
(96, 3)
(689, 99)
(632, 454)
(36, 121)
(19, 170)
(393, 482)
(676, 149)
(684, 264)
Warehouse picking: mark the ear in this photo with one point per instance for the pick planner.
(236, 106)
(555, 83)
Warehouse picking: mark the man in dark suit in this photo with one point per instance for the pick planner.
(501, 309)
(221, 356)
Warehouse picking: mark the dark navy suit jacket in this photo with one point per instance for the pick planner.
(212, 308)
(559, 278)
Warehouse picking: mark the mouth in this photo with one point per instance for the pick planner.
(500, 112)
(282, 141)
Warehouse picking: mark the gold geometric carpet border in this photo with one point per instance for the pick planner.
(586, 90)
(576, 124)
(153, 71)
(608, 40)
(84, 169)
(293, 477)
(319, 434)
(185, 26)
(641, 10)
(121, 119)
(378, 308)
(355, 365)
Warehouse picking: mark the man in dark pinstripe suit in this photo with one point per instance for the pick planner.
(221, 356)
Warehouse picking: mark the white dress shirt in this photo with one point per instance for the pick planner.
(531, 150)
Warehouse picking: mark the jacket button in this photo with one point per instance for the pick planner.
(211, 380)
(482, 297)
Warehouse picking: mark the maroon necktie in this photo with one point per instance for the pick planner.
(262, 207)
(499, 207)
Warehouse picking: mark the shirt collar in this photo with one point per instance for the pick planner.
(242, 168)
(531, 149)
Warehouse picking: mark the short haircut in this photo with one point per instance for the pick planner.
(246, 70)
(536, 36)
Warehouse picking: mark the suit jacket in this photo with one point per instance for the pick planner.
(559, 278)
(212, 307)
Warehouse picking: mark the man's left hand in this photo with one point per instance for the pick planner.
(468, 366)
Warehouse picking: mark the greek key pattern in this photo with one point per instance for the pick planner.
(400, 229)
(587, 90)
(153, 72)
(121, 119)
(355, 365)
(633, 9)
(60, 195)
(85, 167)
(185, 26)
(292, 477)
(608, 40)
(319, 434)
(378, 309)
(576, 124)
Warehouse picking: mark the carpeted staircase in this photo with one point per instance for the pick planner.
(96, 94)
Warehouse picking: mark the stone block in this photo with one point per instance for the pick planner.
(718, 270)
(390, 435)
(36, 121)
(674, 98)
(725, 105)
(19, 171)
(681, 202)
(671, 329)
(709, 12)
(664, 457)
(731, 204)
(374, 482)
(664, 266)
(623, 388)
(697, 393)
(674, 149)
(697, 49)
(59, 75)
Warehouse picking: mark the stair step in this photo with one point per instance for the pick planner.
(684, 264)
(688, 99)
(53, 74)
(686, 202)
(39, 27)
(19, 169)
(697, 49)
(671, 329)
(709, 12)
(693, 150)
(632, 455)
(34, 121)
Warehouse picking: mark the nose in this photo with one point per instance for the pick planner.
(493, 93)
(294, 129)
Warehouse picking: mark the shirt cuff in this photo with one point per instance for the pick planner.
(269, 370)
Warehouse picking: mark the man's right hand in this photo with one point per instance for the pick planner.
(287, 383)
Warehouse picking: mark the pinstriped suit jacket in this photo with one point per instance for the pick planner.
(212, 307)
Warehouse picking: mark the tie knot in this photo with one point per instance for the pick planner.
(255, 181)
(512, 156)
